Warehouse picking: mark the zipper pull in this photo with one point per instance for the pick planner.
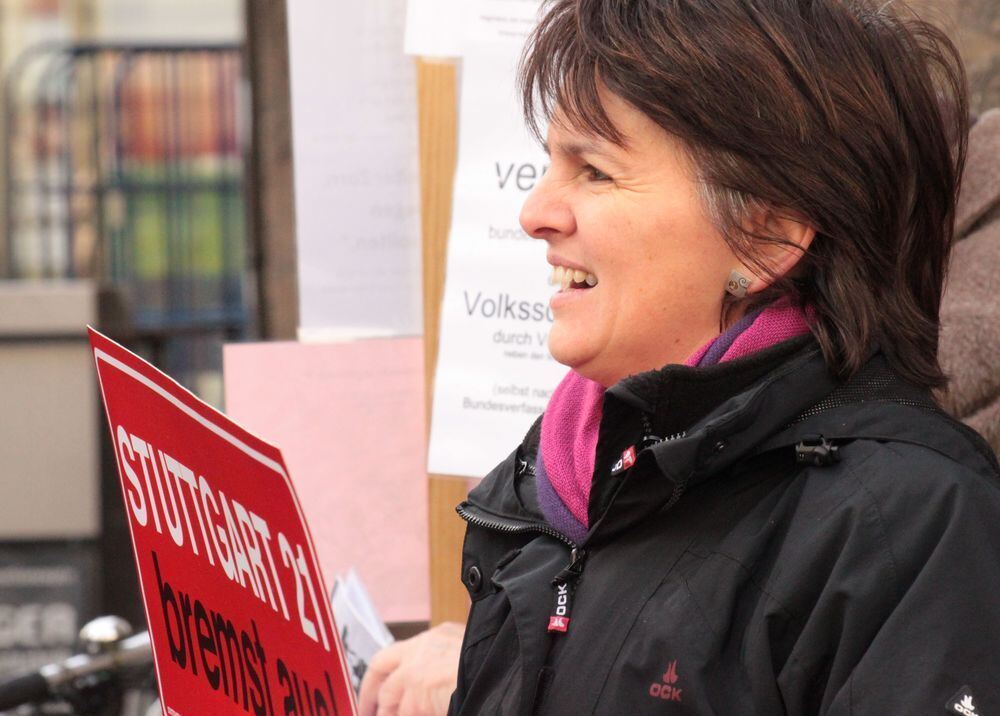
(563, 586)
(648, 439)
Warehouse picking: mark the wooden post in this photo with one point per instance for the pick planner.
(438, 123)
(270, 182)
(6, 16)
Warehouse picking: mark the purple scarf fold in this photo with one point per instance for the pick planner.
(564, 467)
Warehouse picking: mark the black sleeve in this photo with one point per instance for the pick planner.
(913, 626)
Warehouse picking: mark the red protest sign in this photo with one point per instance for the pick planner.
(236, 604)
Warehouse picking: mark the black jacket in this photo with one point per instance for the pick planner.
(744, 564)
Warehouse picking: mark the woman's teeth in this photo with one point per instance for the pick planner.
(565, 277)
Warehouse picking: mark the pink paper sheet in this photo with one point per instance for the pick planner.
(349, 419)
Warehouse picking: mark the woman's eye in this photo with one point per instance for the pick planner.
(595, 174)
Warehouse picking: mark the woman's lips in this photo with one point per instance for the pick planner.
(568, 296)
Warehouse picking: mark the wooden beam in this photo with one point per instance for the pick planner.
(270, 182)
(438, 123)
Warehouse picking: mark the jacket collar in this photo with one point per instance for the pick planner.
(712, 417)
(729, 412)
(698, 407)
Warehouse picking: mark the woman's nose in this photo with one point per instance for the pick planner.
(546, 214)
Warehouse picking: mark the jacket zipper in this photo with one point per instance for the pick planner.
(565, 582)
(563, 587)
(649, 439)
(510, 526)
(513, 526)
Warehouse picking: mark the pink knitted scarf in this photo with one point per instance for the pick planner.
(573, 416)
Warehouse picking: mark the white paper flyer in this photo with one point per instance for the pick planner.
(354, 131)
(362, 631)
(494, 372)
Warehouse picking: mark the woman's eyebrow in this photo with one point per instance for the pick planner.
(577, 148)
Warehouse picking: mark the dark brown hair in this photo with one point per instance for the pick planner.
(850, 114)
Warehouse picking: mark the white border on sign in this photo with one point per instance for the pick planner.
(100, 355)
(192, 413)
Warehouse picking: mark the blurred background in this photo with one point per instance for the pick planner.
(124, 143)
(974, 25)
(146, 188)
(127, 201)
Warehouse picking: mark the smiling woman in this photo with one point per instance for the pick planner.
(743, 497)
(632, 217)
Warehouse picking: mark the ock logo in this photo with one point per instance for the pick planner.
(962, 703)
(667, 691)
(626, 461)
(559, 621)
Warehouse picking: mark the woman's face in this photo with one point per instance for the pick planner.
(632, 218)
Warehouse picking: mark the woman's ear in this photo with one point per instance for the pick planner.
(793, 235)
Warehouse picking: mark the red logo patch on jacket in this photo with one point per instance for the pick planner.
(558, 623)
(666, 689)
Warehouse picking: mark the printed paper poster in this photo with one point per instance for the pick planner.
(494, 371)
(357, 191)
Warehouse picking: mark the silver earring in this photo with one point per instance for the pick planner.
(737, 284)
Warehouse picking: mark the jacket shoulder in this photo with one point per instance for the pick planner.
(907, 562)
(922, 499)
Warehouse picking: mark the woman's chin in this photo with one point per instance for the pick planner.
(575, 351)
(568, 348)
